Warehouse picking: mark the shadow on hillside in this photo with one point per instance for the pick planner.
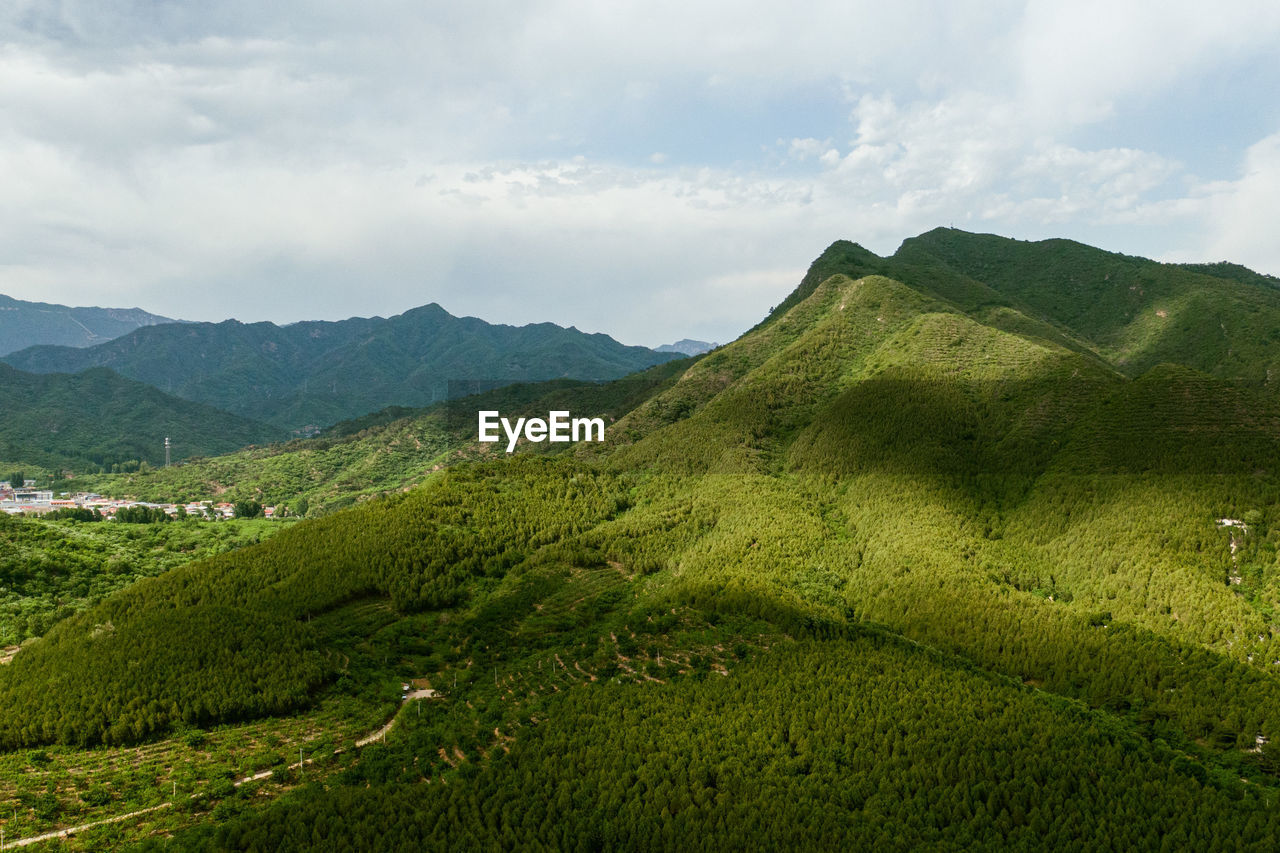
(1169, 421)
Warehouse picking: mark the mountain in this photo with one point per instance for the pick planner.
(1131, 312)
(686, 346)
(306, 375)
(26, 324)
(100, 419)
(961, 548)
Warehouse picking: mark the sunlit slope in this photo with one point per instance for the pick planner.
(1136, 313)
(736, 409)
(231, 637)
(948, 397)
(767, 381)
(853, 364)
(993, 493)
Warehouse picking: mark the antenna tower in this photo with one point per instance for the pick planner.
(166, 451)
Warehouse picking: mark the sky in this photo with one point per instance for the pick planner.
(653, 170)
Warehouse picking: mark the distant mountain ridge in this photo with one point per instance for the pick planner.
(687, 346)
(25, 324)
(315, 373)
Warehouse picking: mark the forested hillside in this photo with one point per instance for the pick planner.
(1221, 318)
(97, 419)
(51, 568)
(386, 451)
(926, 560)
(318, 373)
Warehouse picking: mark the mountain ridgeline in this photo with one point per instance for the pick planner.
(312, 374)
(976, 546)
(1133, 313)
(27, 324)
(687, 346)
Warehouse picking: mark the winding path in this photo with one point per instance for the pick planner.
(72, 830)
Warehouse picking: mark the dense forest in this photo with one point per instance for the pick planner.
(382, 452)
(316, 373)
(230, 638)
(825, 745)
(99, 421)
(53, 567)
(930, 558)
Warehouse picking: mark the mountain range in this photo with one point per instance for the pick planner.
(307, 375)
(974, 546)
(25, 324)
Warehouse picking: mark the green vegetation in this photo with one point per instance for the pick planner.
(97, 421)
(863, 743)
(317, 373)
(197, 770)
(50, 568)
(386, 452)
(230, 638)
(959, 549)
(1222, 319)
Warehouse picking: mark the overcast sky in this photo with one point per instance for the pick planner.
(653, 170)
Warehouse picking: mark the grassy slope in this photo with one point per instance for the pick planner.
(1136, 313)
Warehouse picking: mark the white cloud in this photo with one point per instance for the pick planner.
(1240, 214)
(1081, 61)
(530, 162)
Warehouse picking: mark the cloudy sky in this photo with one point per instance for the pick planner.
(653, 170)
